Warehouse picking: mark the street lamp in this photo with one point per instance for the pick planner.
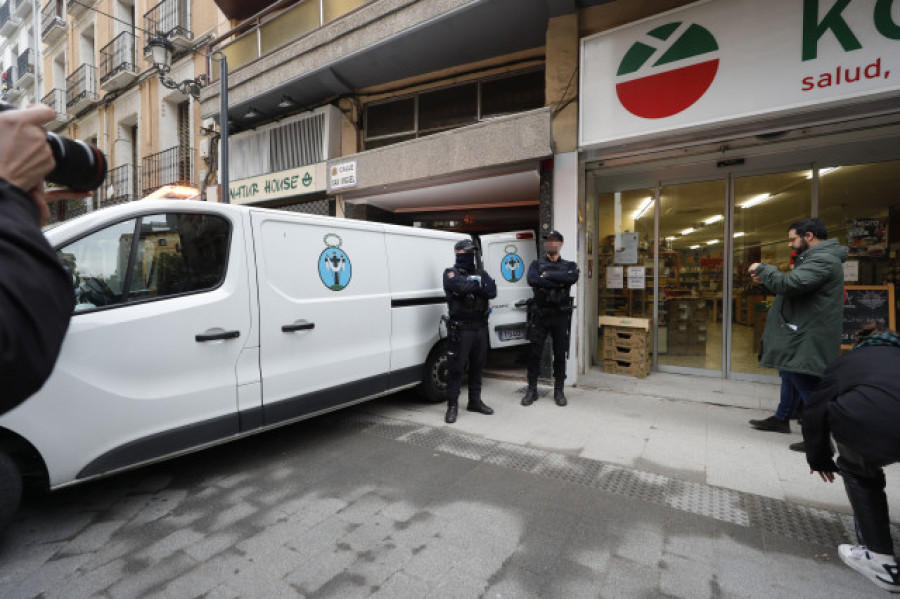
(160, 50)
(161, 55)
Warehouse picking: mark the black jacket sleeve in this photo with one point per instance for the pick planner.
(816, 427)
(463, 285)
(36, 299)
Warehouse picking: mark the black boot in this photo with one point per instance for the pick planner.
(558, 396)
(476, 405)
(452, 409)
(530, 393)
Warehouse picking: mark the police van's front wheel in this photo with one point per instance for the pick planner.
(10, 489)
(434, 381)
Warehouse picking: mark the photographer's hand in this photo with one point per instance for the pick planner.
(25, 157)
(42, 197)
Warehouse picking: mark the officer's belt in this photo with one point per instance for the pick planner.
(463, 325)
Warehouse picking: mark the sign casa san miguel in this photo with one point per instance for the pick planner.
(283, 184)
(718, 61)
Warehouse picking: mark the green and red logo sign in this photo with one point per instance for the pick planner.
(668, 88)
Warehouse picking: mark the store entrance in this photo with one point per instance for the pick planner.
(678, 252)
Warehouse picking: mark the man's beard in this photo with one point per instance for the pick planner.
(552, 251)
(804, 245)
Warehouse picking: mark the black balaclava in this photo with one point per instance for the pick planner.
(465, 261)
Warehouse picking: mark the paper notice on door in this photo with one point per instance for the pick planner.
(851, 271)
(615, 277)
(636, 277)
(626, 248)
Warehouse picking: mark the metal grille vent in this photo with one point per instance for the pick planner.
(298, 143)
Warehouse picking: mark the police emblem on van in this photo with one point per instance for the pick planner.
(512, 267)
(334, 264)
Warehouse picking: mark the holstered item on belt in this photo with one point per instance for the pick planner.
(465, 325)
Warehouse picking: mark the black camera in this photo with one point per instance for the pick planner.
(79, 165)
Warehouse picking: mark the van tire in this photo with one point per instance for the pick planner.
(10, 489)
(434, 380)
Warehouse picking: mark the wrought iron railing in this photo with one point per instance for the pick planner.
(52, 16)
(5, 12)
(25, 63)
(169, 18)
(56, 100)
(118, 55)
(174, 166)
(81, 85)
(120, 186)
(9, 76)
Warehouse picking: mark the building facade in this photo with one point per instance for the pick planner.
(19, 52)
(104, 90)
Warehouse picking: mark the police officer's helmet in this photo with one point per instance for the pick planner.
(554, 235)
(464, 245)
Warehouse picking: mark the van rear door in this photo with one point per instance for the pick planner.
(325, 312)
(506, 258)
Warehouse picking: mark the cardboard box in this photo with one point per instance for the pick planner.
(626, 354)
(638, 369)
(626, 338)
(622, 321)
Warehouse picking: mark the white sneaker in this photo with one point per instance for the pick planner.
(885, 574)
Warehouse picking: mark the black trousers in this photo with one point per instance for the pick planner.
(864, 481)
(467, 345)
(555, 324)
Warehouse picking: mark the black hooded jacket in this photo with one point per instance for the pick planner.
(36, 299)
(858, 402)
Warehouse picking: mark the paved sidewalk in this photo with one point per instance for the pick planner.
(686, 440)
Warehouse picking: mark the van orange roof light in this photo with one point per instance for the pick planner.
(528, 235)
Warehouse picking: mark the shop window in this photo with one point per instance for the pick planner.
(860, 205)
(508, 95)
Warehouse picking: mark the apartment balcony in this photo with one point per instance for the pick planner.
(314, 50)
(171, 19)
(13, 92)
(9, 22)
(76, 8)
(81, 89)
(174, 166)
(22, 8)
(120, 187)
(53, 21)
(118, 66)
(25, 69)
(56, 100)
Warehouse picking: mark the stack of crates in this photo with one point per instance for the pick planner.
(687, 326)
(625, 346)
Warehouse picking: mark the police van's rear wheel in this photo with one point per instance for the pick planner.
(434, 381)
(10, 489)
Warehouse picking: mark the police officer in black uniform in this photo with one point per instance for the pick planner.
(551, 277)
(468, 290)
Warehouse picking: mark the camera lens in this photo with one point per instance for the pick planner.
(79, 166)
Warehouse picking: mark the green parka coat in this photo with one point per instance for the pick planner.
(803, 327)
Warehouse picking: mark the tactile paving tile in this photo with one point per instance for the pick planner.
(570, 469)
(633, 483)
(721, 504)
(744, 509)
(515, 457)
(465, 446)
(795, 521)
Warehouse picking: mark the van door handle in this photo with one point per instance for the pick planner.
(202, 337)
(299, 326)
(521, 303)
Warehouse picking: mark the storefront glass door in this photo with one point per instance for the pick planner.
(764, 208)
(691, 224)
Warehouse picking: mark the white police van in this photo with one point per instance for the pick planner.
(506, 257)
(200, 323)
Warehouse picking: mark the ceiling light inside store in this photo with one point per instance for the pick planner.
(823, 171)
(687, 231)
(671, 238)
(695, 247)
(712, 242)
(645, 205)
(713, 219)
(756, 200)
(739, 234)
